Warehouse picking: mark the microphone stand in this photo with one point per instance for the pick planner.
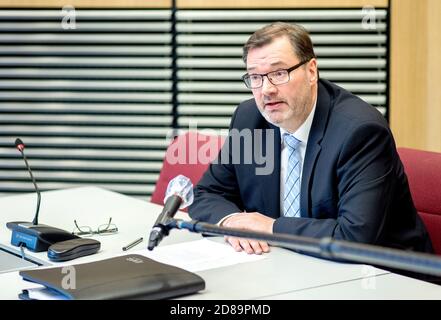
(327, 248)
(35, 221)
(34, 236)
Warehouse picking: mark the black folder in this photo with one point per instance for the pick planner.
(124, 277)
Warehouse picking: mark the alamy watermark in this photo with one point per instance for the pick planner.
(368, 281)
(69, 281)
(239, 147)
(369, 21)
(69, 17)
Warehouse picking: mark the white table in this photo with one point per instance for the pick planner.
(388, 286)
(283, 275)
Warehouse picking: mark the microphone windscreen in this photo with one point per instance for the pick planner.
(180, 186)
(19, 144)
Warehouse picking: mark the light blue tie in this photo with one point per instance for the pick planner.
(291, 199)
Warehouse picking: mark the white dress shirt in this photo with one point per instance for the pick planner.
(301, 134)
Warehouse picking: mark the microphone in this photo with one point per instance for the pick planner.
(34, 236)
(20, 146)
(179, 195)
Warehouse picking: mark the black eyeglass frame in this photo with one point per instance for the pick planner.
(99, 231)
(289, 70)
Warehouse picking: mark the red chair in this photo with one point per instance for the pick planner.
(423, 171)
(190, 155)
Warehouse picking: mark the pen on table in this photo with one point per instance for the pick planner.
(132, 244)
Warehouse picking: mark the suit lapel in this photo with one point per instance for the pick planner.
(313, 148)
(270, 188)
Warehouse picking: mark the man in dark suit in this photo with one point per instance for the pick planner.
(336, 170)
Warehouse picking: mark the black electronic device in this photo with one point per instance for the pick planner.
(32, 235)
(36, 237)
(72, 249)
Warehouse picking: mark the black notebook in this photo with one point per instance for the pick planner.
(125, 277)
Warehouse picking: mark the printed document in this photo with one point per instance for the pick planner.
(200, 255)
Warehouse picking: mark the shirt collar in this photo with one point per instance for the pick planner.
(302, 132)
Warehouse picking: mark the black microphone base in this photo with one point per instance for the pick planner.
(36, 237)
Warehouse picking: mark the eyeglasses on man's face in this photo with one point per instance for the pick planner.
(104, 229)
(277, 77)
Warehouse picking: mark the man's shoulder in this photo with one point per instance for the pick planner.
(349, 108)
(248, 106)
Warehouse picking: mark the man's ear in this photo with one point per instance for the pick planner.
(312, 70)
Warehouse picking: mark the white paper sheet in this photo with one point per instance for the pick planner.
(199, 255)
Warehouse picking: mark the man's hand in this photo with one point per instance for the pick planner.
(253, 221)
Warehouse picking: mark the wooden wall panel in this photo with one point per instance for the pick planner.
(85, 3)
(407, 72)
(280, 3)
(433, 115)
(192, 3)
(415, 101)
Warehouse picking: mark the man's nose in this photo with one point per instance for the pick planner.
(267, 86)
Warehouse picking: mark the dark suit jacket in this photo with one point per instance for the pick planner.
(353, 183)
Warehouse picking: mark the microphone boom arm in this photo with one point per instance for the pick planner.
(35, 221)
(328, 248)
